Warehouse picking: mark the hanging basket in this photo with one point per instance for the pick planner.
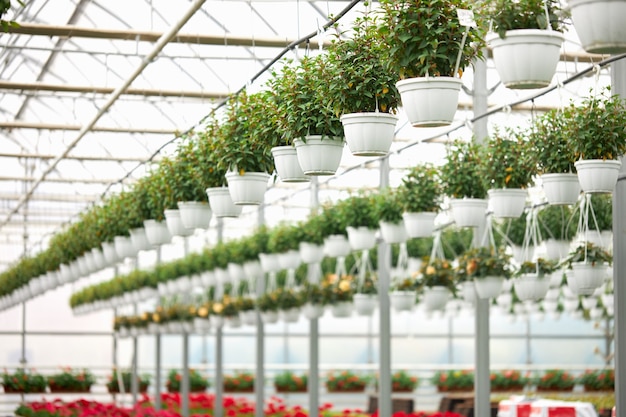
(287, 165)
(402, 300)
(139, 239)
(124, 248)
(435, 298)
(201, 325)
(234, 322)
(600, 25)
(430, 101)
(342, 309)
(419, 224)
(489, 287)
(312, 311)
(529, 287)
(507, 202)
(319, 156)
(597, 175)
(157, 232)
(361, 238)
(369, 134)
(392, 232)
(468, 212)
(247, 189)
(602, 239)
(248, 317)
(195, 214)
(556, 249)
(336, 246)
(526, 58)
(365, 304)
(291, 315)
(289, 260)
(468, 292)
(269, 262)
(222, 203)
(589, 276)
(269, 317)
(175, 224)
(310, 253)
(561, 189)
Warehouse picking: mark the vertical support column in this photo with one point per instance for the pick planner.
(218, 407)
(529, 355)
(157, 355)
(184, 386)
(450, 341)
(482, 406)
(618, 81)
(259, 378)
(384, 268)
(134, 386)
(23, 337)
(314, 371)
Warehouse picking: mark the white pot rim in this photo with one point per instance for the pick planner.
(597, 162)
(252, 175)
(375, 117)
(217, 190)
(429, 82)
(517, 33)
(319, 140)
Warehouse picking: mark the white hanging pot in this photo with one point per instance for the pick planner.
(269, 317)
(365, 304)
(98, 258)
(234, 322)
(573, 286)
(419, 224)
(342, 309)
(221, 203)
(597, 175)
(253, 269)
(468, 212)
(529, 287)
(402, 300)
(393, 232)
(291, 315)
(430, 101)
(556, 279)
(175, 224)
(311, 253)
(201, 325)
(82, 264)
(602, 239)
(110, 254)
(521, 255)
(269, 262)
(600, 25)
(488, 287)
(124, 247)
(589, 302)
(183, 285)
(369, 134)
(312, 311)
(435, 298)
(556, 249)
(336, 246)
(503, 300)
(361, 238)
(195, 214)
(561, 189)
(139, 239)
(468, 291)
(589, 276)
(507, 202)
(287, 165)
(248, 317)
(236, 272)
(319, 156)
(526, 58)
(289, 260)
(157, 232)
(216, 321)
(247, 189)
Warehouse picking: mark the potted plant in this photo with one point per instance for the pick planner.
(598, 380)
(362, 90)
(345, 381)
(403, 293)
(555, 157)
(526, 41)
(596, 135)
(365, 294)
(22, 381)
(333, 228)
(488, 267)
(312, 244)
(555, 380)
(388, 206)
(306, 119)
(157, 232)
(268, 306)
(239, 382)
(289, 304)
(284, 241)
(437, 282)
(290, 382)
(113, 385)
(426, 59)
(338, 293)
(359, 217)
(507, 381)
(402, 381)
(314, 300)
(597, 23)
(509, 167)
(557, 227)
(453, 381)
(464, 183)
(420, 197)
(246, 155)
(197, 383)
(589, 264)
(532, 279)
(71, 381)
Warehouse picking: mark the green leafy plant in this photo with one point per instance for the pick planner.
(599, 380)
(425, 37)
(345, 381)
(484, 262)
(404, 284)
(555, 379)
(358, 211)
(462, 175)
(337, 289)
(288, 299)
(525, 14)
(515, 229)
(283, 238)
(368, 286)
(507, 161)
(437, 272)
(509, 380)
(602, 216)
(290, 382)
(421, 190)
(403, 381)
(453, 380)
(239, 382)
(557, 222)
(388, 206)
(197, 383)
(143, 381)
(542, 267)
(589, 253)
(23, 381)
(550, 146)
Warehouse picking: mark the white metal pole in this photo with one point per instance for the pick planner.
(218, 407)
(314, 371)
(157, 354)
(259, 379)
(134, 386)
(184, 386)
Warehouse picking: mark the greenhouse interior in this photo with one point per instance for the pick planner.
(417, 219)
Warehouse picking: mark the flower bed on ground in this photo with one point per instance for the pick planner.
(200, 405)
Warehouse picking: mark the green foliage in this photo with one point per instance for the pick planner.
(345, 381)
(388, 206)
(291, 382)
(359, 79)
(590, 253)
(425, 37)
(437, 272)
(525, 14)
(515, 229)
(508, 380)
(23, 381)
(72, 380)
(484, 262)
(288, 298)
(368, 286)
(403, 381)
(240, 381)
(556, 379)
(143, 381)
(453, 380)
(542, 267)
(333, 221)
(358, 211)
(599, 380)
(597, 127)
(197, 382)
(283, 238)
(602, 205)
(421, 190)
(462, 175)
(507, 161)
(550, 143)
(557, 222)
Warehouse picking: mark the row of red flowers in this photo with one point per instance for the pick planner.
(200, 405)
